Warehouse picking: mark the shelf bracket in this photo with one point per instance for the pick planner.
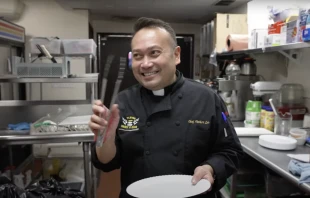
(290, 57)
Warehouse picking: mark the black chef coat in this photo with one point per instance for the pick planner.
(173, 134)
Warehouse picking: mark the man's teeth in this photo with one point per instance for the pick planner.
(150, 73)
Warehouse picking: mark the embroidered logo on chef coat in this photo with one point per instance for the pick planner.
(129, 123)
(198, 122)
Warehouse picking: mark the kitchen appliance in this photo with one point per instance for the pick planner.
(248, 67)
(235, 91)
(264, 90)
(290, 99)
(232, 69)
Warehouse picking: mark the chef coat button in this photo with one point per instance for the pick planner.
(148, 124)
(177, 123)
(147, 152)
(175, 153)
(180, 96)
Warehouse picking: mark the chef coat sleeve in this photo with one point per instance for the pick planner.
(115, 162)
(226, 149)
(110, 166)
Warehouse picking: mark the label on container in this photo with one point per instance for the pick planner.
(252, 116)
(269, 121)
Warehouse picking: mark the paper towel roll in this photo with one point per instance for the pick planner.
(235, 42)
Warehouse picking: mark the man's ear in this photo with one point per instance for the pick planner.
(177, 54)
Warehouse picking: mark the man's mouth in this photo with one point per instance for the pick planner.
(149, 73)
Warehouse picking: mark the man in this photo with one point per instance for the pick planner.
(166, 124)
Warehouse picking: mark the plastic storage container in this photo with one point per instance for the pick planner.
(79, 46)
(262, 117)
(252, 112)
(52, 45)
(269, 118)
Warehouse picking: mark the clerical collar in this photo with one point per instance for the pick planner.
(165, 91)
(160, 92)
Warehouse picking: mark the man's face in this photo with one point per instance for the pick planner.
(154, 58)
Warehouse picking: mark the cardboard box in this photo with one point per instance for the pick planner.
(304, 23)
(226, 24)
(257, 38)
(276, 28)
(273, 40)
(292, 32)
(306, 35)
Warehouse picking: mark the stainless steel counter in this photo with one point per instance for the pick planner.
(43, 139)
(274, 159)
(85, 137)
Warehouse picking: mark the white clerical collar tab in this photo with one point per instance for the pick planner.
(160, 92)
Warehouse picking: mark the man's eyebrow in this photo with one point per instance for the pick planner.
(149, 48)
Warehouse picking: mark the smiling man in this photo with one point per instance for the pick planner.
(166, 124)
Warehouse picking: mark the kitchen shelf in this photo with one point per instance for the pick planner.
(6, 103)
(14, 79)
(293, 46)
(69, 55)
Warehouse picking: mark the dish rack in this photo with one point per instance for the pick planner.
(60, 123)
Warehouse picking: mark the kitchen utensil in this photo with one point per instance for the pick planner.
(105, 76)
(248, 67)
(277, 142)
(233, 69)
(47, 54)
(121, 72)
(168, 186)
(273, 107)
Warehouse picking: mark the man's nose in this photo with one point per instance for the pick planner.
(146, 62)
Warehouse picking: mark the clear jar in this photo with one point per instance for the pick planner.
(283, 124)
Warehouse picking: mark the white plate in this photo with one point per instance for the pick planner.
(247, 132)
(168, 186)
(277, 142)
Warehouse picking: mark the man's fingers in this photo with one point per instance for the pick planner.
(198, 175)
(98, 103)
(98, 110)
(95, 127)
(98, 120)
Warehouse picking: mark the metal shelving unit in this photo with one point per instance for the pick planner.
(283, 49)
(15, 79)
(25, 108)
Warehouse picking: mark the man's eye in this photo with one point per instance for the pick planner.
(137, 56)
(155, 53)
